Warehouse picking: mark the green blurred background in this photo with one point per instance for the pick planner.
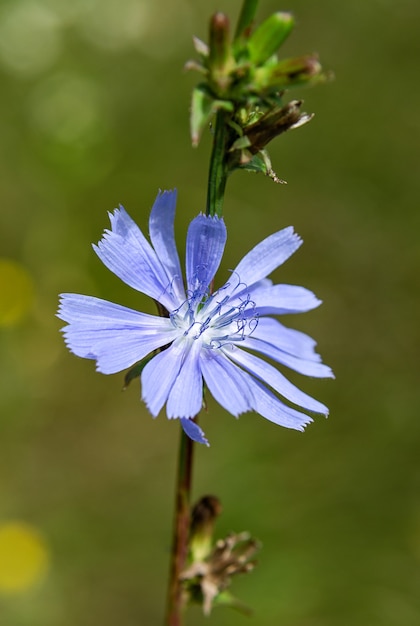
(93, 112)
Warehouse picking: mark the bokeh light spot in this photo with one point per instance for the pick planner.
(23, 557)
(116, 24)
(170, 23)
(16, 292)
(66, 107)
(69, 117)
(30, 38)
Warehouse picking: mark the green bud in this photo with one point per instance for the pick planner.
(203, 518)
(221, 62)
(295, 71)
(246, 19)
(269, 36)
(219, 41)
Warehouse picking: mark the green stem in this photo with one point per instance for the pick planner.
(175, 599)
(218, 169)
(181, 528)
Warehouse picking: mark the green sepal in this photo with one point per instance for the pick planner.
(225, 598)
(240, 144)
(269, 36)
(252, 163)
(259, 163)
(203, 107)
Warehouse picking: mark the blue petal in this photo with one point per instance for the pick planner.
(271, 376)
(115, 336)
(270, 407)
(162, 236)
(288, 340)
(206, 240)
(159, 375)
(186, 395)
(126, 252)
(267, 256)
(237, 391)
(75, 308)
(226, 382)
(303, 366)
(282, 299)
(193, 431)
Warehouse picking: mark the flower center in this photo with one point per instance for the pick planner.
(215, 320)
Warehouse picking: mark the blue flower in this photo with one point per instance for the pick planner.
(207, 337)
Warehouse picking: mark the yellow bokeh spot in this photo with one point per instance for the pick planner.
(23, 557)
(16, 292)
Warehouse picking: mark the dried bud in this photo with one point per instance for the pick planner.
(274, 123)
(210, 577)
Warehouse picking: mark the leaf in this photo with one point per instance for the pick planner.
(203, 107)
(136, 370)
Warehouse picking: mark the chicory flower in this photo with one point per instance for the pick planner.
(212, 337)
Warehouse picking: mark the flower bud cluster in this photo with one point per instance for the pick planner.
(244, 78)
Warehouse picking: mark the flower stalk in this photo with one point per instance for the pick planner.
(182, 519)
(218, 172)
(181, 529)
